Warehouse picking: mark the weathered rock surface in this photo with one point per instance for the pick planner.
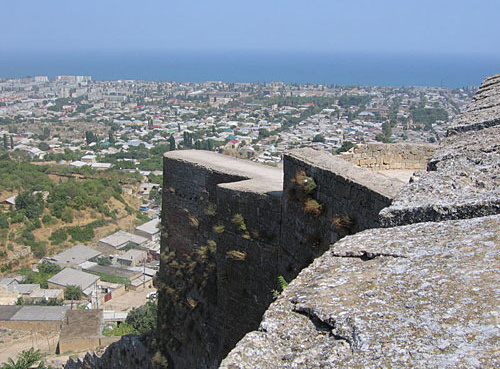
(463, 177)
(424, 295)
(483, 111)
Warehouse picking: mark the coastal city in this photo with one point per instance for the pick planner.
(101, 121)
(241, 185)
(81, 164)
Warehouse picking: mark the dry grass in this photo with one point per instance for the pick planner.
(236, 255)
(312, 207)
(194, 222)
(211, 209)
(303, 180)
(191, 302)
(219, 229)
(343, 224)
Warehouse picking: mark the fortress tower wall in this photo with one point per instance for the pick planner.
(221, 220)
(246, 259)
(347, 200)
(230, 231)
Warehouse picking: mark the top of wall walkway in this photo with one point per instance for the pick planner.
(256, 178)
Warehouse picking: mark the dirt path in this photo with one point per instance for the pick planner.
(16, 341)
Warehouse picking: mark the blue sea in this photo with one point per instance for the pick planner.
(366, 69)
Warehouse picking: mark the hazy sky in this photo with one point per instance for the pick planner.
(417, 26)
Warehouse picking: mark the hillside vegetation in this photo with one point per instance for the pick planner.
(57, 207)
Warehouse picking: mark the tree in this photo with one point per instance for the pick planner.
(27, 359)
(73, 292)
(5, 142)
(155, 196)
(387, 130)
(346, 146)
(171, 141)
(318, 138)
(4, 221)
(32, 204)
(111, 139)
(11, 143)
(67, 215)
(103, 260)
(143, 318)
(90, 137)
(44, 146)
(49, 268)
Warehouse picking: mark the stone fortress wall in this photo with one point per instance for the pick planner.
(232, 227)
(384, 273)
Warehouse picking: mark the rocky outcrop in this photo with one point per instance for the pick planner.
(422, 292)
(463, 176)
(483, 111)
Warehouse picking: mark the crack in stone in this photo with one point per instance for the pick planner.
(365, 255)
(329, 326)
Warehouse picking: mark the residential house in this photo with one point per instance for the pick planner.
(132, 258)
(118, 240)
(74, 256)
(149, 230)
(72, 277)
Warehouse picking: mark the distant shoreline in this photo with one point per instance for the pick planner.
(367, 69)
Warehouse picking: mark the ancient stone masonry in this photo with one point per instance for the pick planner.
(230, 231)
(326, 198)
(379, 156)
(423, 293)
(219, 253)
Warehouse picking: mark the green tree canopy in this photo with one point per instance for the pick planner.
(33, 204)
(143, 318)
(346, 146)
(73, 293)
(27, 359)
(318, 138)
